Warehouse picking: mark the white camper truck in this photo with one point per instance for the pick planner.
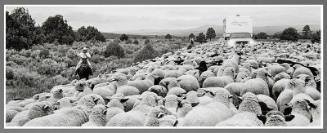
(238, 30)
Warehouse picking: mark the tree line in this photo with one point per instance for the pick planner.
(291, 34)
(23, 33)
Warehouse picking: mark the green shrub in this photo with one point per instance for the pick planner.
(146, 53)
(135, 42)
(114, 49)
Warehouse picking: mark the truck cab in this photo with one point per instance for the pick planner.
(238, 30)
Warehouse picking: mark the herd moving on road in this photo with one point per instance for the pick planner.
(269, 84)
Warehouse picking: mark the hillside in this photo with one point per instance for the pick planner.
(218, 28)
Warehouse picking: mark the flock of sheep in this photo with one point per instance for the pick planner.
(269, 84)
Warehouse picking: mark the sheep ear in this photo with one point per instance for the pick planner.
(123, 100)
(264, 108)
(46, 107)
(212, 93)
(95, 100)
(311, 105)
(160, 115)
(104, 112)
(262, 118)
(289, 117)
(287, 110)
(179, 80)
(179, 104)
(195, 104)
(176, 123)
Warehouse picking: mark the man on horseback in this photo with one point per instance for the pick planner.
(84, 61)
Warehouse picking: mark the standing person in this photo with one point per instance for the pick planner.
(85, 56)
(191, 45)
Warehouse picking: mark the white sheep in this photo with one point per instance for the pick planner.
(97, 117)
(243, 119)
(106, 90)
(168, 121)
(300, 111)
(267, 103)
(207, 115)
(10, 114)
(256, 86)
(169, 83)
(188, 83)
(178, 91)
(90, 101)
(75, 116)
(38, 109)
(159, 90)
(278, 87)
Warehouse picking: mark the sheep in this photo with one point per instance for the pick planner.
(275, 69)
(26, 102)
(188, 83)
(57, 93)
(159, 90)
(66, 102)
(10, 114)
(131, 102)
(67, 90)
(256, 86)
(205, 75)
(160, 75)
(143, 85)
(168, 121)
(315, 112)
(243, 119)
(250, 103)
(38, 109)
(310, 86)
(169, 83)
(212, 113)
(266, 103)
(137, 118)
(97, 117)
(300, 111)
(105, 90)
(155, 114)
(176, 91)
(115, 105)
(226, 78)
(90, 101)
(235, 90)
(282, 75)
(15, 107)
(81, 86)
(247, 113)
(75, 116)
(127, 119)
(171, 103)
(173, 73)
(242, 77)
(278, 87)
(192, 98)
(128, 90)
(275, 118)
(302, 70)
(207, 115)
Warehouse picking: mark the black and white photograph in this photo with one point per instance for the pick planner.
(163, 66)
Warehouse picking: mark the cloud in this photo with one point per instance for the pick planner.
(122, 18)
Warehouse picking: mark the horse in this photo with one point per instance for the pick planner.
(84, 71)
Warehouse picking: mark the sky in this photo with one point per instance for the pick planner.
(125, 18)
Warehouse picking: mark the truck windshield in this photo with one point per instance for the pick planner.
(240, 35)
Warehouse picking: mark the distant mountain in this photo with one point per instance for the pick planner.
(218, 28)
